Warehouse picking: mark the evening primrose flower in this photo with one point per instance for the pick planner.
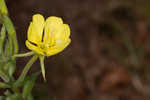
(47, 37)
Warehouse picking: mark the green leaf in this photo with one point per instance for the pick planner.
(4, 76)
(1, 19)
(2, 64)
(42, 66)
(9, 25)
(26, 68)
(27, 88)
(15, 96)
(7, 93)
(2, 98)
(30, 97)
(22, 83)
(10, 45)
(29, 84)
(9, 68)
(7, 49)
(2, 38)
(4, 85)
(3, 8)
(18, 84)
(11, 31)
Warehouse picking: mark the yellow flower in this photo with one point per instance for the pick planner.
(47, 37)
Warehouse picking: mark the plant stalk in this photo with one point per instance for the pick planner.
(27, 67)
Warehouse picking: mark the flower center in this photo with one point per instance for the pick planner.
(43, 46)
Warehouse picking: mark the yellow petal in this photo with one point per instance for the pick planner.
(63, 33)
(34, 48)
(52, 25)
(57, 48)
(35, 30)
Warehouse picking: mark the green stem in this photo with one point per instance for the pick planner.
(27, 67)
(24, 54)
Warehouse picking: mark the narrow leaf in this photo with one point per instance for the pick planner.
(11, 31)
(11, 69)
(29, 84)
(30, 97)
(4, 85)
(4, 76)
(7, 49)
(27, 88)
(2, 38)
(3, 8)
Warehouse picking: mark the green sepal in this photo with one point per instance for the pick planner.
(42, 66)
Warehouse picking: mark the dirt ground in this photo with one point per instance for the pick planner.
(109, 55)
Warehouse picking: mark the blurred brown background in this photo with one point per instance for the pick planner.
(109, 55)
